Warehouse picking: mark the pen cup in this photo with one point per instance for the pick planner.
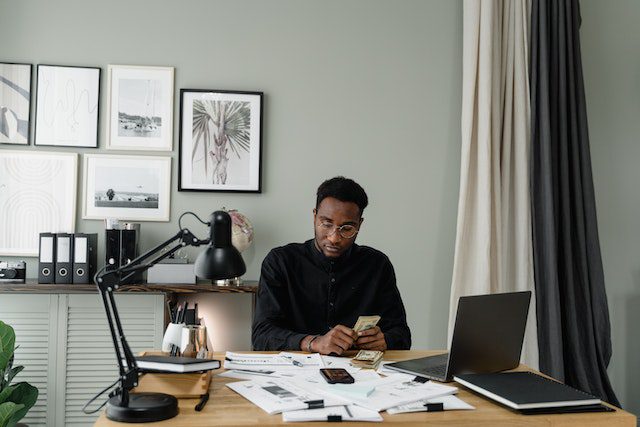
(172, 336)
(194, 341)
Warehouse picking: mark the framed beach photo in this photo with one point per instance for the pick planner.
(126, 187)
(67, 106)
(220, 141)
(15, 103)
(37, 194)
(140, 108)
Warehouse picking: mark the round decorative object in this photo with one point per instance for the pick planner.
(241, 230)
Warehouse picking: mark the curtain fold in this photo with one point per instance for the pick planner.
(574, 333)
(493, 250)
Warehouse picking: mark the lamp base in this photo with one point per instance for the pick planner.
(143, 408)
(236, 281)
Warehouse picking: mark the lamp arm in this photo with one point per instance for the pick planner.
(108, 281)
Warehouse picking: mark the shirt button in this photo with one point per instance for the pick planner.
(330, 304)
(333, 280)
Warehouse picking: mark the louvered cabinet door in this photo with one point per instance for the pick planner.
(34, 319)
(88, 363)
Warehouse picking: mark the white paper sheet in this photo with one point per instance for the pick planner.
(277, 395)
(450, 403)
(347, 412)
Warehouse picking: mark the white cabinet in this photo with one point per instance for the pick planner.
(66, 348)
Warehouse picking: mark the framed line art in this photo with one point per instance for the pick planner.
(220, 141)
(67, 106)
(126, 187)
(15, 103)
(37, 194)
(140, 108)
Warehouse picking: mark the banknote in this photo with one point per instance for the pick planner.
(366, 322)
(368, 355)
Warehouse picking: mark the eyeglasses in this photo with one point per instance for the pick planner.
(346, 231)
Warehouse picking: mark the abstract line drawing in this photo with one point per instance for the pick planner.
(15, 103)
(67, 107)
(37, 194)
(220, 140)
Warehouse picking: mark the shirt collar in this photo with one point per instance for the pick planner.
(323, 260)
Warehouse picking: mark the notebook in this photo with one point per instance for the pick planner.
(175, 364)
(487, 337)
(526, 390)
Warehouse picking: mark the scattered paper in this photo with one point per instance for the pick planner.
(449, 403)
(346, 413)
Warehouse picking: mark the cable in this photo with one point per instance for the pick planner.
(84, 408)
(197, 217)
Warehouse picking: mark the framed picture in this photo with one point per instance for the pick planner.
(37, 194)
(126, 187)
(220, 141)
(67, 106)
(15, 103)
(140, 108)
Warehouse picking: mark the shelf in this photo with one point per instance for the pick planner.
(248, 286)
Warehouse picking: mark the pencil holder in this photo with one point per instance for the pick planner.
(172, 336)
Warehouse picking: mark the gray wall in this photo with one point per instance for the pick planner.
(611, 62)
(368, 89)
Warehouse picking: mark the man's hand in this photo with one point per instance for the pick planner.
(371, 339)
(337, 340)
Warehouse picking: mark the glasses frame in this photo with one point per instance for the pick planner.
(339, 229)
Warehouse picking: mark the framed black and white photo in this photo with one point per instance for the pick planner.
(140, 108)
(37, 194)
(15, 103)
(220, 141)
(126, 187)
(67, 106)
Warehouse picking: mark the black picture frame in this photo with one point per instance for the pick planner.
(15, 116)
(67, 108)
(202, 142)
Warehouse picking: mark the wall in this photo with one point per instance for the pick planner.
(611, 63)
(368, 89)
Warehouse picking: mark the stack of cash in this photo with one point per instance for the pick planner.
(366, 322)
(368, 359)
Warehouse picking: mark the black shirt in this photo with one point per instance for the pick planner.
(302, 292)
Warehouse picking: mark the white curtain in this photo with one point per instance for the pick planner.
(493, 251)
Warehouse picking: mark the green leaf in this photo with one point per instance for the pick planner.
(5, 393)
(7, 412)
(7, 344)
(13, 372)
(24, 395)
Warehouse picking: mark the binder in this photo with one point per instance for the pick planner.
(112, 249)
(84, 257)
(47, 258)
(526, 391)
(64, 258)
(129, 252)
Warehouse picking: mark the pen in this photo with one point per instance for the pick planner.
(203, 401)
(294, 361)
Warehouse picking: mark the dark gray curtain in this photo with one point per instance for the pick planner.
(574, 334)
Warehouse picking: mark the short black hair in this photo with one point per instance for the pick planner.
(343, 189)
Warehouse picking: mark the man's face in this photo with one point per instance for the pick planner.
(331, 214)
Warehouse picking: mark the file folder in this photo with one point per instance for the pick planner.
(64, 258)
(84, 257)
(47, 258)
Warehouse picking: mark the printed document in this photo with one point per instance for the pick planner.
(449, 403)
(346, 413)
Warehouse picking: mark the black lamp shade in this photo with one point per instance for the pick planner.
(220, 259)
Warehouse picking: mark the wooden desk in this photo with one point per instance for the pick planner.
(226, 408)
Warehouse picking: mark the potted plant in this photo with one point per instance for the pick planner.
(15, 399)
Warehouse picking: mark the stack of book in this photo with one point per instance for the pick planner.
(368, 359)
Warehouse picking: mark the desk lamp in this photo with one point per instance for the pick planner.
(220, 260)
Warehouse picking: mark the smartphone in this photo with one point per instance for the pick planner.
(337, 376)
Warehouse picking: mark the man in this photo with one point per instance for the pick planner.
(311, 294)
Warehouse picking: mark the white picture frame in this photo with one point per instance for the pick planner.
(141, 187)
(140, 108)
(15, 103)
(67, 106)
(37, 195)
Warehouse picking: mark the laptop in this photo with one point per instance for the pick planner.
(487, 337)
